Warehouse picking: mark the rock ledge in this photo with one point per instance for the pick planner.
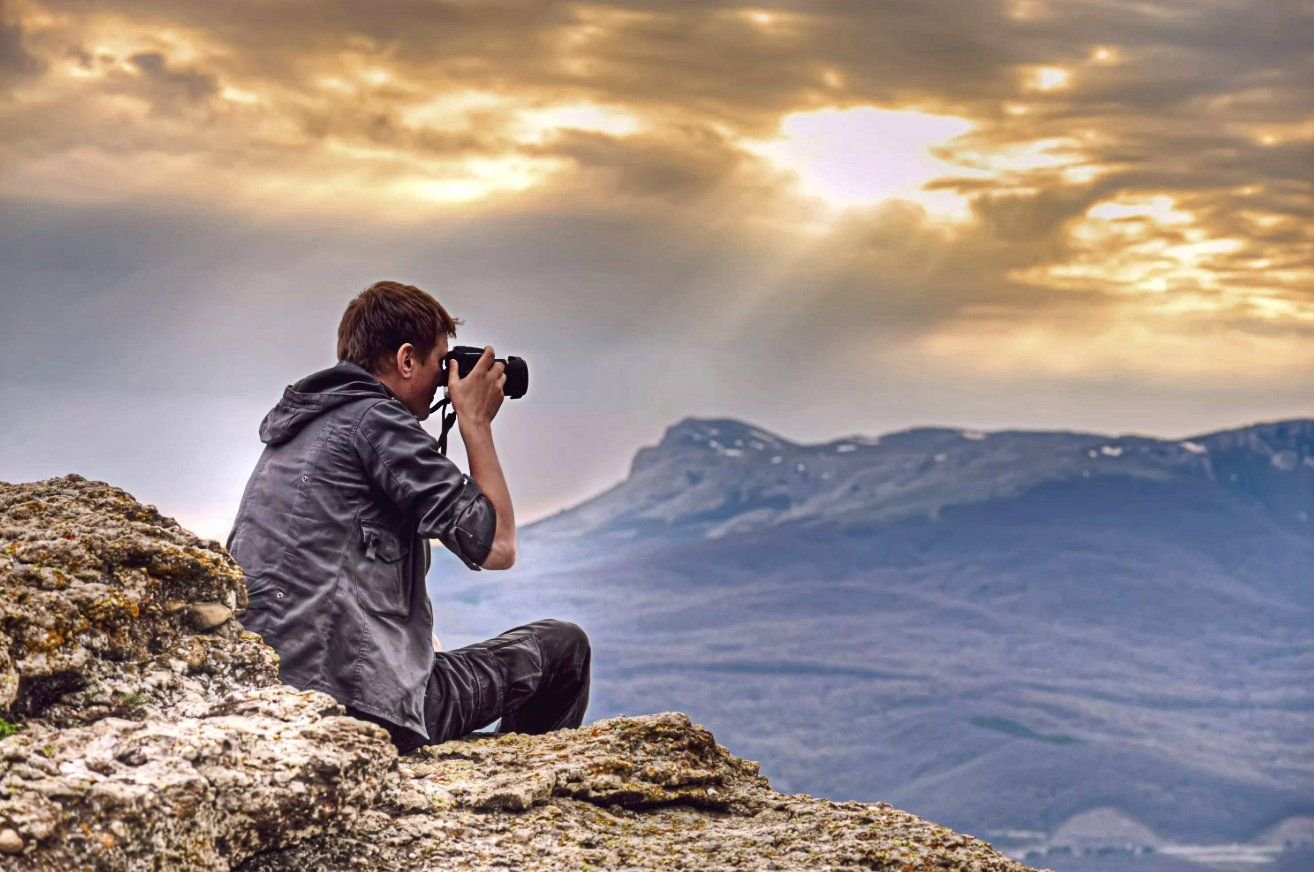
(143, 728)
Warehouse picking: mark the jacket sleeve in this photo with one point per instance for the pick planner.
(403, 461)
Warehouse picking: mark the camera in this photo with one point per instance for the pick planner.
(516, 371)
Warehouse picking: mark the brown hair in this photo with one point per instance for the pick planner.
(387, 315)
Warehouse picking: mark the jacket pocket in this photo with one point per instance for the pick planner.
(266, 607)
(380, 572)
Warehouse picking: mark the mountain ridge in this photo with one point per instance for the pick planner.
(709, 477)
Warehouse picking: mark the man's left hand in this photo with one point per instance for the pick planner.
(437, 646)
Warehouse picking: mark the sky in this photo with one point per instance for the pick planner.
(822, 218)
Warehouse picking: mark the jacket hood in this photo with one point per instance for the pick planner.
(316, 394)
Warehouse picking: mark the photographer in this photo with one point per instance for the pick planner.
(333, 528)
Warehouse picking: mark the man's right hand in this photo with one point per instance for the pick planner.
(477, 397)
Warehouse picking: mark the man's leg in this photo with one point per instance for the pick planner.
(534, 677)
(557, 696)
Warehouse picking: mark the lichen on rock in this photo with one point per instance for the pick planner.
(91, 580)
(152, 733)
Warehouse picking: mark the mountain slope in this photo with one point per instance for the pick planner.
(1086, 622)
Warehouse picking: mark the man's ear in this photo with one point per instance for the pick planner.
(405, 361)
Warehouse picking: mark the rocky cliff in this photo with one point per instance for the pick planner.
(143, 728)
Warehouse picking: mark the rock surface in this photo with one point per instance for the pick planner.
(152, 733)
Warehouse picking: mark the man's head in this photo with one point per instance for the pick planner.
(399, 334)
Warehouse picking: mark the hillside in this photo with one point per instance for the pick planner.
(1003, 631)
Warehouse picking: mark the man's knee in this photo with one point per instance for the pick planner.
(565, 636)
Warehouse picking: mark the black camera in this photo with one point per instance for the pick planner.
(516, 371)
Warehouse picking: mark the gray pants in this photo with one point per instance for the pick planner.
(534, 677)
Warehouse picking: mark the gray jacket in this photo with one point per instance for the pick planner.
(331, 536)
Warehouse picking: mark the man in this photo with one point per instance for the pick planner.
(332, 536)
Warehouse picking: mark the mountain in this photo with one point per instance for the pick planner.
(1008, 631)
(711, 477)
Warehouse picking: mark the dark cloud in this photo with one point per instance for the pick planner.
(190, 84)
(16, 64)
(681, 164)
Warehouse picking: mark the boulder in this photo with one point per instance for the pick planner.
(143, 728)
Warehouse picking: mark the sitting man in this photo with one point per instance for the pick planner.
(332, 536)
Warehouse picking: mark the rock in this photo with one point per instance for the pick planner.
(650, 792)
(155, 734)
(88, 578)
(205, 792)
(143, 740)
(10, 842)
(207, 616)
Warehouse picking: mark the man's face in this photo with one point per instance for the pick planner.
(415, 380)
(428, 374)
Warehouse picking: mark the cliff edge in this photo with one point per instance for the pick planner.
(142, 728)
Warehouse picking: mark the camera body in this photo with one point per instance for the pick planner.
(516, 372)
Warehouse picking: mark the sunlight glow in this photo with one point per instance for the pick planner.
(1027, 10)
(538, 125)
(857, 156)
(1106, 55)
(1047, 78)
(1036, 154)
(469, 110)
(335, 83)
(485, 176)
(453, 110)
(1159, 207)
(237, 95)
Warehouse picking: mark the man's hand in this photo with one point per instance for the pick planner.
(477, 397)
(437, 646)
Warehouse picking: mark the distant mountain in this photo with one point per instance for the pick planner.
(711, 477)
(1021, 635)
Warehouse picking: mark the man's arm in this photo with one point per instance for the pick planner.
(404, 462)
(486, 470)
(476, 398)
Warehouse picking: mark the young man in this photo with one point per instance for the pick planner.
(332, 536)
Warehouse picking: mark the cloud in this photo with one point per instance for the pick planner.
(1114, 226)
(16, 63)
(173, 84)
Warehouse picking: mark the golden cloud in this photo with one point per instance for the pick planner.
(956, 174)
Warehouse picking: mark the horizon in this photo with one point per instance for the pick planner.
(879, 436)
(992, 431)
(219, 530)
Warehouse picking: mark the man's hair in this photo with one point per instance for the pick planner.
(387, 315)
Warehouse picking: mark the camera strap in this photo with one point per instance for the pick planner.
(448, 420)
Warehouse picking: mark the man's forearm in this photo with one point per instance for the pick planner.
(486, 471)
